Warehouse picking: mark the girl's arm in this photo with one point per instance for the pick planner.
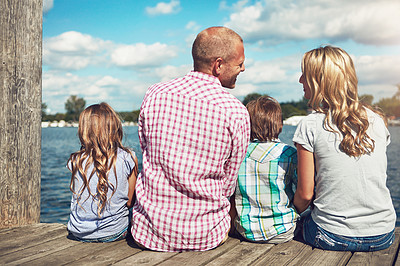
(305, 184)
(132, 184)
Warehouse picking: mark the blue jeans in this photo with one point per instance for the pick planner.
(119, 236)
(317, 237)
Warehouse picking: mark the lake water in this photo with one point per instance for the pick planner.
(59, 143)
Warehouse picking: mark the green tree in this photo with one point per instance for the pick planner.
(250, 97)
(367, 98)
(288, 110)
(129, 116)
(390, 106)
(74, 106)
(397, 94)
(44, 108)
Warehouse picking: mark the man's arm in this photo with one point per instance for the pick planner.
(240, 142)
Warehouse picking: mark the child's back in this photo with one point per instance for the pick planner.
(84, 221)
(267, 179)
(103, 178)
(265, 188)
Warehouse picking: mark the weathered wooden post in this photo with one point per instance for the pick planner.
(20, 111)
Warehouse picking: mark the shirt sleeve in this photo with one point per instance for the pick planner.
(129, 163)
(69, 165)
(240, 141)
(291, 174)
(304, 134)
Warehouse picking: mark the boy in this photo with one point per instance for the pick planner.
(267, 179)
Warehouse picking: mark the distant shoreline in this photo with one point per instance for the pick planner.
(62, 123)
(291, 121)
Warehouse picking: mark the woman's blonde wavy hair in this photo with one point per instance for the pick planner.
(100, 133)
(330, 74)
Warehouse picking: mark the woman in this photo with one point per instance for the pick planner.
(341, 160)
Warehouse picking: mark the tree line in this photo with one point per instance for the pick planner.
(75, 105)
(390, 106)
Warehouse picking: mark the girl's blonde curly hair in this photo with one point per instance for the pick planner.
(100, 133)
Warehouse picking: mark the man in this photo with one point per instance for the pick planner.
(194, 135)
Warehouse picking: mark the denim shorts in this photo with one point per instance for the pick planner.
(320, 238)
(119, 236)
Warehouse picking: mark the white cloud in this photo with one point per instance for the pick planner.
(193, 26)
(170, 72)
(107, 81)
(367, 22)
(378, 69)
(73, 50)
(73, 42)
(278, 78)
(223, 5)
(122, 95)
(67, 62)
(142, 55)
(163, 8)
(378, 75)
(47, 6)
(242, 89)
(264, 72)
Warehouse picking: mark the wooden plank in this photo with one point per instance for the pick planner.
(147, 257)
(381, 257)
(72, 253)
(319, 257)
(201, 258)
(281, 254)
(116, 252)
(243, 254)
(24, 231)
(34, 252)
(25, 238)
(21, 230)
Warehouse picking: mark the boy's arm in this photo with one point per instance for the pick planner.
(232, 213)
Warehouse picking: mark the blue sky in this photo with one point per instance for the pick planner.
(114, 50)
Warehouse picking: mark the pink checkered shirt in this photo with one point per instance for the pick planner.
(194, 135)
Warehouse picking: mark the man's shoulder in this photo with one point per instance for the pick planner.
(232, 104)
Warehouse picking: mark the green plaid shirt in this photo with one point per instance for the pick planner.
(266, 184)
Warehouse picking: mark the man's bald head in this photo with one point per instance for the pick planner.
(213, 43)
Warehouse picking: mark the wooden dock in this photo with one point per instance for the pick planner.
(47, 244)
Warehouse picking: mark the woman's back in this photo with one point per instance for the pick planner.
(351, 197)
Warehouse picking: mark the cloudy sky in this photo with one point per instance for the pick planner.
(114, 50)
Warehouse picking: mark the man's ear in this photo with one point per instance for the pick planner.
(216, 67)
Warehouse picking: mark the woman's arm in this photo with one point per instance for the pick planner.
(305, 185)
(132, 184)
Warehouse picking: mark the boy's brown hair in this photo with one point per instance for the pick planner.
(266, 118)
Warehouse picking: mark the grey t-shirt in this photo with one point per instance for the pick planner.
(84, 221)
(351, 197)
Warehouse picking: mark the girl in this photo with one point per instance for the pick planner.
(103, 178)
(341, 160)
